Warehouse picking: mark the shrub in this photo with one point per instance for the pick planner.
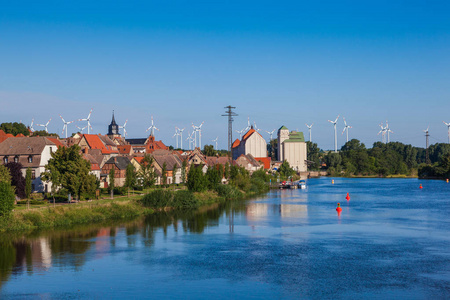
(7, 198)
(258, 185)
(228, 191)
(185, 199)
(158, 199)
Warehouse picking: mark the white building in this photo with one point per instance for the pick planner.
(252, 143)
(292, 148)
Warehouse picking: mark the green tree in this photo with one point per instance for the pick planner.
(4, 174)
(286, 170)
(111, 179)
(272, 149)
(208, 150)
(226, 170)
(44, 133)
(313, 155)
(15, 128)
(183, 171)
(196, 181)
(68, 170)
(212, 177)
(17, 179)
(130, 176)
(7, 198)
(28, 183)
(164, 174)
(147, 173)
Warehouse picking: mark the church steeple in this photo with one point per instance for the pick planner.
(113, 128)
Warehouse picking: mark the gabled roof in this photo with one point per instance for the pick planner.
(24, 145)
(121, 162)
(295, 137)
(249, 158)
(214, 160)
(106, 140)
(170, 161)
(125, 149)
(94, 141)
(140, 142)
(236, 143)
(248, 134)
(56, 141)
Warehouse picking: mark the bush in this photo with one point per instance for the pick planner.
(258, 186)
(228, 191)
(7, 199)
(185, 199)
(158, 198)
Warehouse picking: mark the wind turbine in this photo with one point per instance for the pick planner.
(190, 139)
(388, 130)
(180, 131)
(270, 133)
(309, 129)
(383, 133)
(45, 125)
(448, 126)
(248, 124)
(255, 127)
(346, 128)
(217, 138)
(176, 135)
(65, 125)
(199, 130)
(152, 129)
(335, 133)
(81, 129)
(123, 127)
(31, 125)
(88, 119)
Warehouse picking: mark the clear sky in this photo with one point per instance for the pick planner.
(279, 62)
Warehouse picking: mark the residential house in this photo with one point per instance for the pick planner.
(31, 152)
(249, 163)
(251, 143)
(120, 164)
(171, 160)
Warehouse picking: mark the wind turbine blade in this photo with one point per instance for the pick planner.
(62, 119)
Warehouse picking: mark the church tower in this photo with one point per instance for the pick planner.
(113, 128)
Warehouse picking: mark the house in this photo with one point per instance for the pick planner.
(196, 157)
(4, 136)
(125, 150)
(251, 143)
(120, 164)
(292, 148)
(147, 145)
(248, 162)
(31, 152)
(171, 161)
(265, 161)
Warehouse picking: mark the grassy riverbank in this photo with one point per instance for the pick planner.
(98, 211)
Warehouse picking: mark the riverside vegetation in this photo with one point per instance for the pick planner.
(198, 190)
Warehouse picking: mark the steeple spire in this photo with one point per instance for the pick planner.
(113, 122)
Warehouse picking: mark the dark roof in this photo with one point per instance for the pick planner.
(121, 162)
(24, 145)
(136, 141)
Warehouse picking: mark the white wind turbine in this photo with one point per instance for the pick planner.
(346, 127)
(383, 133)
(88, 119)
(180, 131)
(270, 133)
(45, 125)
(255, 127)
(65, 125)
(190, 139)
(448, 128)
(215, 140)
(388, 130)
(31, 125)
(152, 129)
(248, 124)
(81, 129)
(199, 130)
(240, 133)
(123, 127)
(309, 129)
(335, 133)
(176, 135)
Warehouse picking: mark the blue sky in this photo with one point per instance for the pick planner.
(280, 63)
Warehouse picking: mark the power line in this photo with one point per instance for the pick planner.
(230, 114)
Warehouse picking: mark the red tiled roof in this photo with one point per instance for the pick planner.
(94, 141)
(248, 134)
(139, 159)
(56, 142)
(265, 160)
(95, 167)
(126, 149)
(236, 143)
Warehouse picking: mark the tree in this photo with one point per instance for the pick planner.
(4, 174)
(313, 154)
(147, 173)
(17, 179)
(272, 148)
(226, 170)
(286, 170)
(7, 198)
(208, 150)
(174, 173)
(67, 169)
(28, 183)
(44, 133)
(164, 174)
(130, 176)
(212, 177)
(196, 181)
(183, 171)
(111, 179)
(15, 128)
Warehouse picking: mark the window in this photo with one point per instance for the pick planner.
(30, 159)
(51, 150)
(16, 159)
(5, 159)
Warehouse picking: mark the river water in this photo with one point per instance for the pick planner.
(391, 240)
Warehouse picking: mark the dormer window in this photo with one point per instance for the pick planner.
(30, 159)
(5, 160)
(16, 159)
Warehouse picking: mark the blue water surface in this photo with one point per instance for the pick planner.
(391, 240)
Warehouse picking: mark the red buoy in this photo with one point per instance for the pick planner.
(348, 197)
(338, 208)
(420, 187)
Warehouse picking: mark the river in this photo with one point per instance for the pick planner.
(391, 240)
